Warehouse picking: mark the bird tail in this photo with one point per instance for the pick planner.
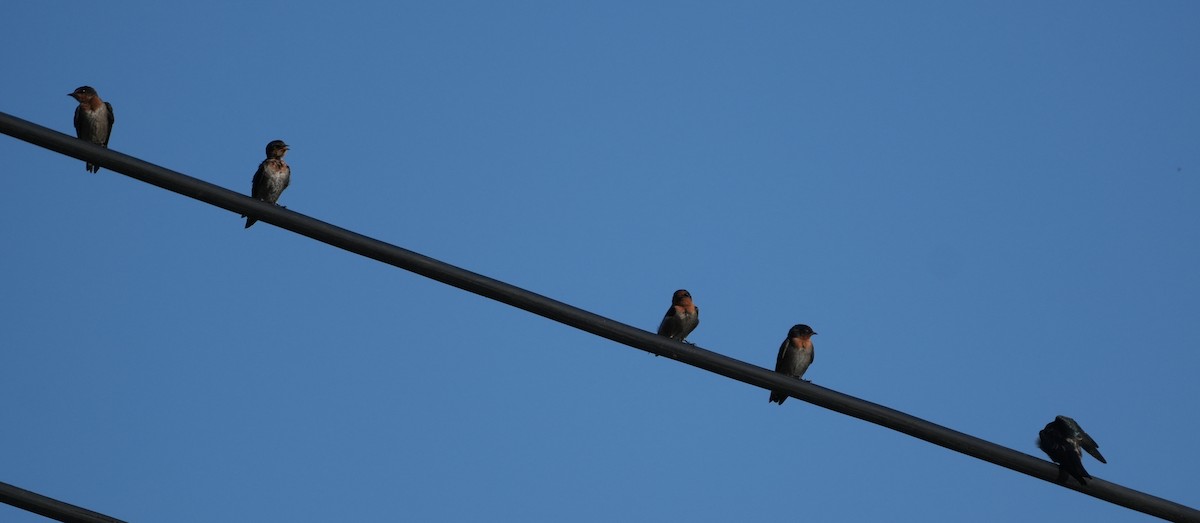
(93, 168)
(1079, 477)
(777, 397)
(249, 222)
(1078, 472)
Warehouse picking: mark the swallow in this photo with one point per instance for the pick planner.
(681, 319)
(795, 355)
(1064, 441)
(271, 178)
(93, 119)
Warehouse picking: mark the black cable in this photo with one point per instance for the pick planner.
(49, 507)
(584, 320)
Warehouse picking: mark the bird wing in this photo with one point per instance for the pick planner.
(258, 185)
(82, 130)
(1091, 447)
(1065, 426)
(111, 119)
(666, 321)
(782, 353)
(1077, 433)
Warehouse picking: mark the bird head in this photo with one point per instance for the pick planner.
(276, 149)
(801, 330)
(83, 94)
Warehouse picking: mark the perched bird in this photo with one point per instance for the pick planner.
(795, 355)
(681, 319)
(1064, 440)
(93, 119)
(271, 178)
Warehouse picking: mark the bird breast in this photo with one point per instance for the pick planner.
(798, 359)
(98, 122)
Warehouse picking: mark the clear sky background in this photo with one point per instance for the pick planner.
(989, 212)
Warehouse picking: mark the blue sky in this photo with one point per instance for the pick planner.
(988, 212)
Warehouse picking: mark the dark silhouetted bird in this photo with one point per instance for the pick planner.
(1064, 440)
(272, 177)
(681, 319)
(93, 119)
(795, 355)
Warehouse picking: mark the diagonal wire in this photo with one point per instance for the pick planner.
(584, 320)
(50, 507)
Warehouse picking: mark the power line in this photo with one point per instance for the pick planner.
(50, 507)
(584, 320)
